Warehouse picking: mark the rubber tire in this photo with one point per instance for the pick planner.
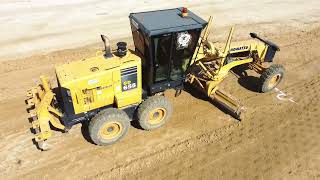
(101, 118)
(268, 74)
(149, 105)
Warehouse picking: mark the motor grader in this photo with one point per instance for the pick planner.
(171, 48)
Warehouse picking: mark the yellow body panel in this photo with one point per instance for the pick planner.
(97, 82)
(91, 83)
(251, 45)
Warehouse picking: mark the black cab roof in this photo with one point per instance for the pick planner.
(166, 21)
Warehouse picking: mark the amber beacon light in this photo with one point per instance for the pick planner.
(184, 12)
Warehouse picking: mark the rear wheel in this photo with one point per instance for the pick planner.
(271, 77)
(154, 112)
(109, 126)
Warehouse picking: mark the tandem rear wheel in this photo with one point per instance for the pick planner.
(108, 126)
(154, 112)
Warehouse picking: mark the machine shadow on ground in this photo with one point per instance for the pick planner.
(85, 132)
(249, 82)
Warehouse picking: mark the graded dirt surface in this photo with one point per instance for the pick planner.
(278, 138)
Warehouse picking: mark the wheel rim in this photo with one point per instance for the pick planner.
(157, 115)
(110, 130)
(274, 80)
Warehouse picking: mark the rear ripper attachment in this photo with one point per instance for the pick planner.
(40, 105)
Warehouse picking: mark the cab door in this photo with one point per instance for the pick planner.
(162, 56)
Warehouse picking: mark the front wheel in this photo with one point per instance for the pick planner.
(154, 112)
(109, 126)
(271, 77)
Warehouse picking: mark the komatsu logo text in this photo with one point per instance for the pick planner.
(239, 48)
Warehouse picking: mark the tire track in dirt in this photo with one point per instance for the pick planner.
(256, 130)
(188, 144)
(60, 141)
(278, 143)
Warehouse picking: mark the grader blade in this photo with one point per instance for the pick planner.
(227, 102)
(42, 113)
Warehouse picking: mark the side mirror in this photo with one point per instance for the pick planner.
(253, 35)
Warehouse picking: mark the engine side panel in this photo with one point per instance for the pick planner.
(128, 90)
(99, 82)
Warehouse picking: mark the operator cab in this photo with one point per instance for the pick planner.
(166, 41)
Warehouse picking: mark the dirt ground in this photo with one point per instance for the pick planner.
(38, 26)
(278, 138)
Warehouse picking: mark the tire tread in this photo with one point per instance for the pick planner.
(103, 116)
(268, 73)
(146, 106)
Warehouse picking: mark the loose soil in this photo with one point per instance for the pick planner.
(278, 138)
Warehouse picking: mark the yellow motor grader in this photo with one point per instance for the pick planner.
(109, 90)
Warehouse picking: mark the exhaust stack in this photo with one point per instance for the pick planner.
(107, 49)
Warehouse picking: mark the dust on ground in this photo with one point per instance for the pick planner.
(278, 139)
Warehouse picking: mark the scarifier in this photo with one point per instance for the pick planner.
(107, 91)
